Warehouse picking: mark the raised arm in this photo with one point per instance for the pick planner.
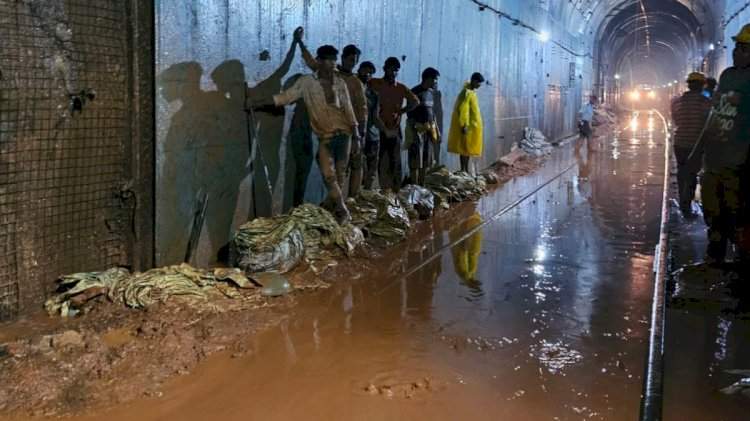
(287, 63)
(306, 55)
(287, 96)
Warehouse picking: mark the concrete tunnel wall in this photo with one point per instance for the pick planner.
(736, 15)
(206, 50)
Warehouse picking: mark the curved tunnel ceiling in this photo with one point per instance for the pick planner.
(654, 40)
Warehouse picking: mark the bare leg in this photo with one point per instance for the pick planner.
(464, 163)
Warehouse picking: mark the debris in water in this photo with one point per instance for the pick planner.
(555, 356)
(517, 394)
(273, 284)
(740, 386)
(407, 390)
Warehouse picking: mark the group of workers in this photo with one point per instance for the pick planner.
(712, 134)
(357, 120)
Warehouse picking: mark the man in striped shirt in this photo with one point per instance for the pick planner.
(689, 113)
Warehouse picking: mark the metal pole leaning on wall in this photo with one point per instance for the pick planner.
(653, 379)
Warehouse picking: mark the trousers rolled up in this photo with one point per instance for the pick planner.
(371, 158)
(687, 177)
(421, 141)
(356, 164)
(390, 172)
(333, 160)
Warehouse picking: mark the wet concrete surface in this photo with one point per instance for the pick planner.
(707, 331)
(537, 311)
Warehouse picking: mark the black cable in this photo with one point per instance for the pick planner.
(518, 22)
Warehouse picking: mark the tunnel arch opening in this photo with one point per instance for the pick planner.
(651, 42)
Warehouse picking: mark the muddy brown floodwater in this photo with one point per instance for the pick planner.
(528, 312)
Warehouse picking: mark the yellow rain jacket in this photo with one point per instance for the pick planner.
(466, 113)
(466, 253)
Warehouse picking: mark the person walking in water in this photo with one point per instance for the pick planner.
(586, 114)
(724, 149)
(689, 113)
(465, 136)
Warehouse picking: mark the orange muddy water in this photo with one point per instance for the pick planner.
(528, 305)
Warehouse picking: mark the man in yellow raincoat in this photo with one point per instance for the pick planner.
(466, 253)
(465, 136)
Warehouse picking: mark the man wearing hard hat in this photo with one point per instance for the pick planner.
(689, 113)
(725, 153)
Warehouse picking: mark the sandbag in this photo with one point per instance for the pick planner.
(418, 199)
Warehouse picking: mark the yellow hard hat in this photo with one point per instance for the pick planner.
(744, 36)
(696, 77)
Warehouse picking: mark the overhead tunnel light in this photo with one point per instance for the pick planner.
(711, 46)
(617, 76)
(635, 96)
(544, 36)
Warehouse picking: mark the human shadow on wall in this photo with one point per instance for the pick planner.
(178, 181)
(208, 149)
(270, 132)
(205, 152)
(299, 152)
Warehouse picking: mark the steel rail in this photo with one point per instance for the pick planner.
(653, 379)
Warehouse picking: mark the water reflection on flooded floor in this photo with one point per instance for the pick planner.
(707, 332)
(538, 313)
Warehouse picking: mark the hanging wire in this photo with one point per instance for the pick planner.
(518, 22)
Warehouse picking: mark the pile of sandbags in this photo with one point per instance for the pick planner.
(278, 244)
(182, 283)
(454, 187)
(418, 201)
(534, 142)
(268, 244)
(382, 217)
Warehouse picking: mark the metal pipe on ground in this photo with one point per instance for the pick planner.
(653, 379)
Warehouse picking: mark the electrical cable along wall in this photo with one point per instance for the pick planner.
(67, 201)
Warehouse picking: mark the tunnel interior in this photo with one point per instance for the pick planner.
(541, 58)
(655, 42)
(126, 140)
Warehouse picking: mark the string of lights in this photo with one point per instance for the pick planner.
(544, 36)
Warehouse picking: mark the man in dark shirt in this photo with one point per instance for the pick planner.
(710, 87)
(392, 95)
(422, 134)
(374, 126)
(725, 152)
(689, 113)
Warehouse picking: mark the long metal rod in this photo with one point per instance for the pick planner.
(653, 379)
(484, 223)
